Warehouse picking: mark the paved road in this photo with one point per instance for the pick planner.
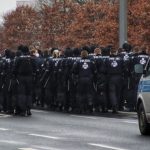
(58, 131)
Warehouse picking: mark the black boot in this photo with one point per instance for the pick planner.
(29, 112)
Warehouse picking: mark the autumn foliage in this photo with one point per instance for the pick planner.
(139, 22)
(19, 27)
(74, 25)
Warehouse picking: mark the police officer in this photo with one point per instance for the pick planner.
(127, 55)
(85, 71)
(49, 80)
(101, 81)
(60, 68)
(36, 93)
(24, 70)
(115, 70)
(105, 56)
(7, 82)
(47, 83)
(42, 77)
(71, 83)
(64, 71)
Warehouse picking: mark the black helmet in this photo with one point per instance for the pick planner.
(76, 52)
(7, 53)
(127, 47)
(106, 51)
(68, 52)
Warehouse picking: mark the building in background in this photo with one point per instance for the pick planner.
(34, 3)
(26, 2)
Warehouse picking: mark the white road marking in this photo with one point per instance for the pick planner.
(83, 117)
(39, 111)
(27, 149)
(130, 121)
(4, 116)
(45, 136)
(45, 147)
(12, 142)
(131, 113)
(3, 129)
(106, 146)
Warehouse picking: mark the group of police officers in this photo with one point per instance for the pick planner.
(89, 79)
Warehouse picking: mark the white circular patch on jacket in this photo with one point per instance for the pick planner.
(85, 66)
(142, 61)
(114, 64)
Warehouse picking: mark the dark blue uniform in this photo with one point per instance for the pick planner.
(24, 70)
(101, 98)
(115, 70)
(47, 83)
(37, 93)
(85, 69)
(72, 83)
(52, 81)
(127, 78)
(62, 83)
(7, 86)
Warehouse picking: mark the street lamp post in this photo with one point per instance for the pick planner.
(122, 21)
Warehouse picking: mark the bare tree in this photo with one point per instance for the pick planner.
(42, 3)
(81, 1)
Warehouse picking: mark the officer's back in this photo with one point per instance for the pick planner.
(25, 69)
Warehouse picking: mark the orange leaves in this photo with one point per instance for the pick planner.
(19, 26)
(92, 24)
(139, 21)
(71, 24)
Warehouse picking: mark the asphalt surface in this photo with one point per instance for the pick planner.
(46, 130)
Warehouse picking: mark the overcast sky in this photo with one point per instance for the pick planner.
(6, 6)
